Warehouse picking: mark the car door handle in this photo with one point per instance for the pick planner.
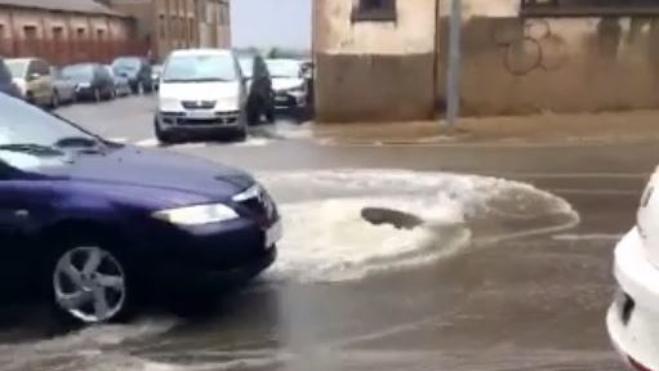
(21, 213)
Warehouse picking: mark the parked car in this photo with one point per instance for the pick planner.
(260, 99)
(32, 76)
(121, 84)
(201, 93)
(156, 72)
(7, 85)
(92, 81)
(633, 318)
(288, 83)
(138, 72)
(96, 226)
(65, 88)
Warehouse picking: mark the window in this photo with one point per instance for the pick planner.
(173, 21)
(224, 16)
(163, 26)
(30, 32)
(80, 32)
(100, 34)
(2, 32)
(41, 67)
(200, 68)
(589, 8)
(58, 33)
(375, 11)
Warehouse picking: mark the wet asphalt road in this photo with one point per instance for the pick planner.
(528, 303)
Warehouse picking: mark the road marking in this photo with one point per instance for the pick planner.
(587, 237)
(151, 142)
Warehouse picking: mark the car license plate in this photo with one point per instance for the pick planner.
(273, 234)
(200, 114)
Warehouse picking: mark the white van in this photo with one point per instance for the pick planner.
(202, 93)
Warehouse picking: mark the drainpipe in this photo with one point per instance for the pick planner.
(436, 51)
(454, 60)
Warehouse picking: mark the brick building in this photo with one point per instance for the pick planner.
(65, 31)
(172, 24)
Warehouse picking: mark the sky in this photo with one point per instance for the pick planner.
(267, 23)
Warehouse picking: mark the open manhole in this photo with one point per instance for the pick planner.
(399, 219)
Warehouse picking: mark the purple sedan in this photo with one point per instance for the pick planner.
(99, 225)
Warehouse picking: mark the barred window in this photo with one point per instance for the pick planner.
(375, 11)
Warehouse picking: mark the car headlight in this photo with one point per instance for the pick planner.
(197, 215)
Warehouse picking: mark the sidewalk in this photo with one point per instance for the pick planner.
(628, 126)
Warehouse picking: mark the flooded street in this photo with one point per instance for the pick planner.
(505, 263)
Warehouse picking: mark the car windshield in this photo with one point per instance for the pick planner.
(30, 131)
(198, 68)
(79, 72)
(17, 68)
(247, 67)
(283, 68)
(126, 64)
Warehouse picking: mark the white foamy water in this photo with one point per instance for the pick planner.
(86, 349)
(326, 239)
(329, 240)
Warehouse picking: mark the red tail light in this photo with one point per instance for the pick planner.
(637, 366)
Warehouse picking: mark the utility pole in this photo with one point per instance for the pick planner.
(454, 61)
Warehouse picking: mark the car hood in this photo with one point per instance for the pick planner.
(157, 169)
(286, 83)
(199, 90)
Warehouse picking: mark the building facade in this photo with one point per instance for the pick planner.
(375, 60)
(384, 60)
(64, 31)
(173, 24)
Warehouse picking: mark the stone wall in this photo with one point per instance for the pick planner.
(512, 66)
(373, 71)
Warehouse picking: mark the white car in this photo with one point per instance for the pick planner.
(202, 93)
(288, 83)
(633, 318)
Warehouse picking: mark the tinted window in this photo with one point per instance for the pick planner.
(41, 67)
(32, 68)
(103, 74)
(127, 64)
(108, 71)
(191, 68)
(79, 72)
(5, 75)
